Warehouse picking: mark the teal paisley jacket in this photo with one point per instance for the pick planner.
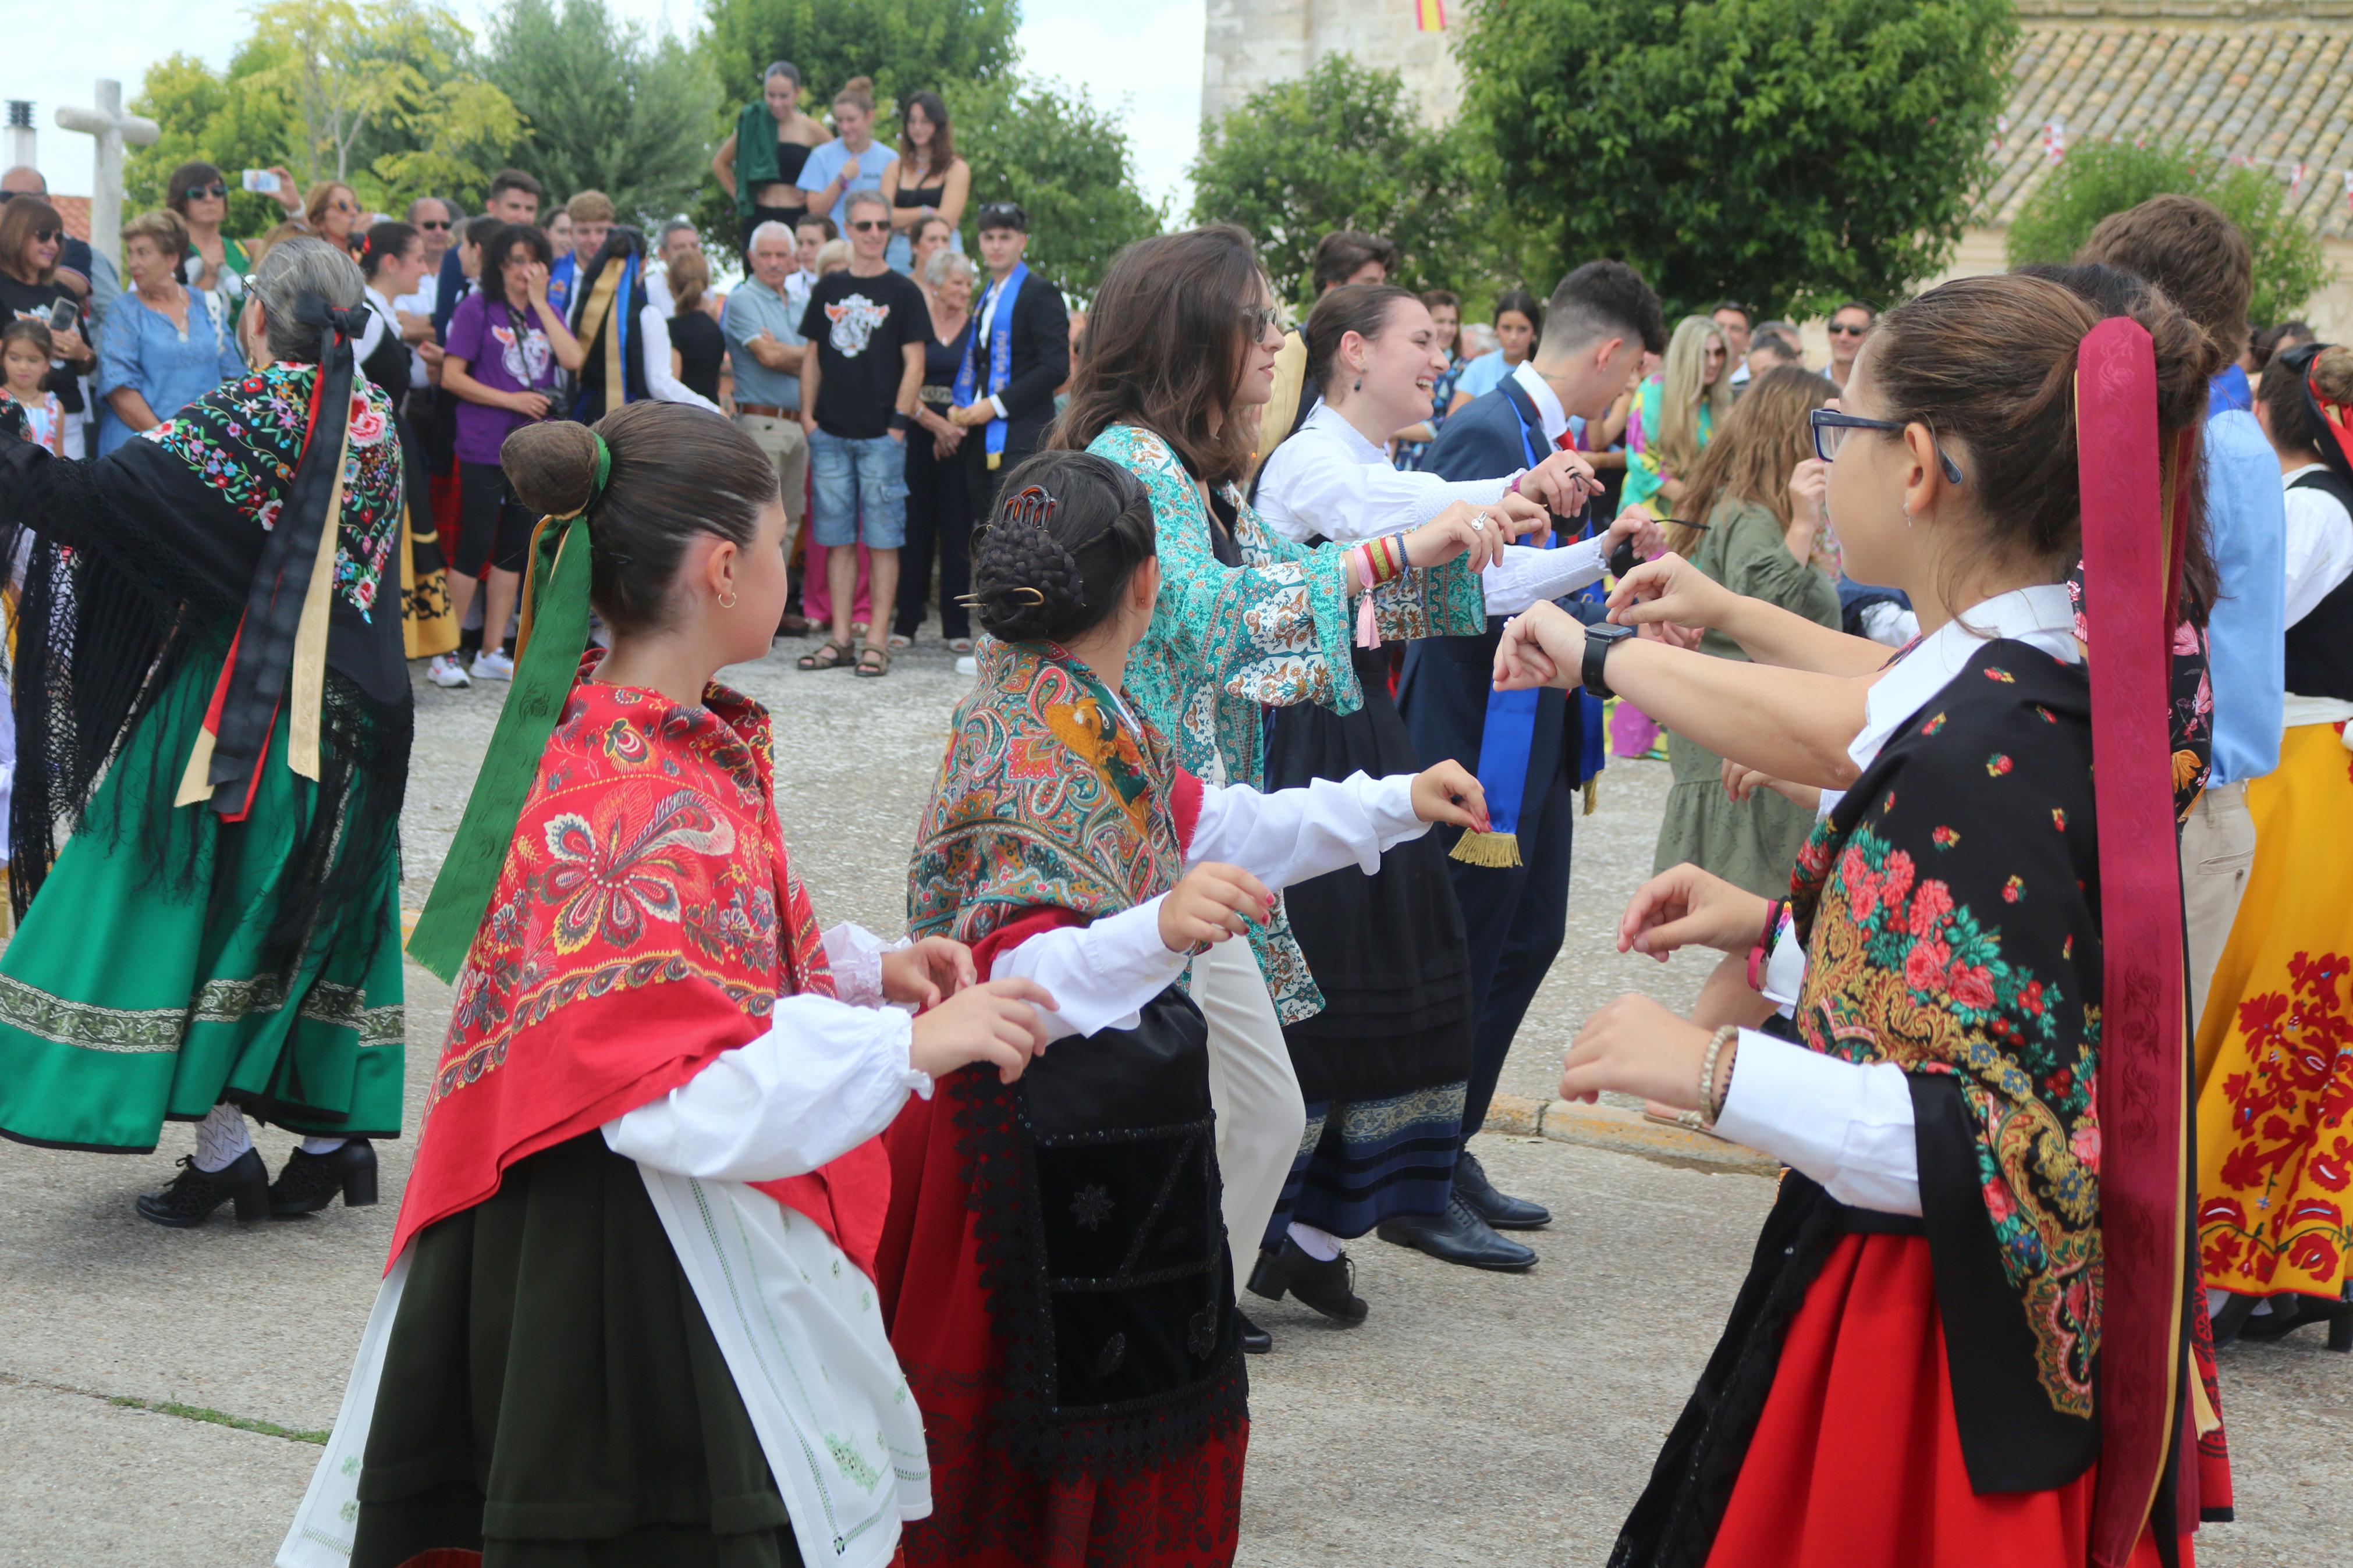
(1228, 642)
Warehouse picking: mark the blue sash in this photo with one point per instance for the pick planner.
(1000, 355)
(559, 284)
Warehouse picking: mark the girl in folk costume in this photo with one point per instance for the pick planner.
(217, 713)
(1964, 1337)
(2274, 1049)
(628, 1318)
(1383, 1067)
(1247, 620)
(1054, 1265)
(392, 259)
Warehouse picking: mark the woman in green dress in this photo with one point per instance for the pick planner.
(213, 717)
(1759, 489)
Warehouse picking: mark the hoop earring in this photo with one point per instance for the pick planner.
(727, 602)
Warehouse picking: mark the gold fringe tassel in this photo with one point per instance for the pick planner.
(1496, 852)
(1592, 795)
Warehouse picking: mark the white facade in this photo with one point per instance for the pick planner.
(1253, 44)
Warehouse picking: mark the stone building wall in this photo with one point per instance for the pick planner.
(1252, 44)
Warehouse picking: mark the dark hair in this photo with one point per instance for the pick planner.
(1525, 304)
(1359, 307)
(2270, 342)
(1605, 299)
(477, 231)
(1165, 344)
(19, 221)
(2329, 368)
(30, 330)
(386, 242)
(942, 142)
(1070, 532)
(1858, 305)
(2190, 250)
(1988, 364)
(1747, 316)
(507, 179)
(824, 223)
(676, 471)
(1341, 252)
(1436, 298)
(783, 69)
(502, 245)
(1775, 340)
(187, 177)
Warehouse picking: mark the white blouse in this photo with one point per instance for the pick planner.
(1328, 480)
(2319, 553)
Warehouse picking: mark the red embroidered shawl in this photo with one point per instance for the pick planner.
(646, 920)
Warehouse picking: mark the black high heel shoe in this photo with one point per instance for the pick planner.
(309, 1183)
(192, 1195)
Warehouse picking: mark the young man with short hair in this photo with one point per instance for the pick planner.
(1020, 352)
(1601, 319)
(812, 234)
(591, 213)
(764, 344)
(868, 326)
(1734, 318)
(515, 197)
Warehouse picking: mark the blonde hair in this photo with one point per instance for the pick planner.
(314, 205)
(169, 234)
(1681, 393)
(833, 253)
(589, 207)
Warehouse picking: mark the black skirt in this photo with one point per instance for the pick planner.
(552, 1397)
(1387, 949)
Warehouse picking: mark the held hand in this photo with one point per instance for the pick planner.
(972, 414)
(1451, 533)
(1686, 907)
(1211, 903)
(1809, 485)
(1670, 589)
(1450, 793)
(1525, 518)
(1563, 482)
(933, 969)
(1741, 783)
(1634, 1045)
(1635, 524)
(1542, 646)
(993, 1022)
(529, 405)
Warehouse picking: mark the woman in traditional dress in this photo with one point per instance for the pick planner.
(1180, 357)
(629, 1317)
(1383, 1067)
(220, 716)
(1756, 502)
(1962, 1331)
(2274, 1049)
(1055, 1268)
(392, 259)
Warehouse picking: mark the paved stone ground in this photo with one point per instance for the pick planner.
(1474, 1419)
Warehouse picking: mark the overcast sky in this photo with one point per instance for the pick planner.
(1145, 53)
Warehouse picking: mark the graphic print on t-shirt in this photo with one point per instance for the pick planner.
(854, 320)
(526, 362)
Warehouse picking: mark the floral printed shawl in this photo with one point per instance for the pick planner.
(646, 920)
(1949, 906)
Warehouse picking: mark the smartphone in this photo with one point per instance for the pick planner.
(261, 182)
(63, 314)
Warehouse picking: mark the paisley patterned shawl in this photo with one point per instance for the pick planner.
(1949, 910)
(1045, 800)
(646, 920)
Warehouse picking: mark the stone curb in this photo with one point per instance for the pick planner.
(1626, 1130)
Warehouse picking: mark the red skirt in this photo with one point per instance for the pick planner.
(1185, 1512)
(1856, 1462)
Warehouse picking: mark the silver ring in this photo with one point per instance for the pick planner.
(1479, 523)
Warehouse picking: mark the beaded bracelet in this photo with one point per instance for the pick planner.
(1710, 1106)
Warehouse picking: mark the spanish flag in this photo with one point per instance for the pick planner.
(1429, 16)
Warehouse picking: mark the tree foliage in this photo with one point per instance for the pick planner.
(216, 116)
(2097, 178)
(1791, 155)
(905, 44)
(1066, 160)
(609, 106)
(1343, 148)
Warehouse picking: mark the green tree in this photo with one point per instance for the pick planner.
(1343, 148)
(1066, 160)
(610, 106)
(216, 116)
(905, 44)
(1791, 155)
(2097, 178)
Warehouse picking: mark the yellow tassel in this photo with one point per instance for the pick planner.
(1497, 851)
(1592, 795)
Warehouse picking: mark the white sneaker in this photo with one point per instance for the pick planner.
(445, 671)
(968, 664)
(491, 666)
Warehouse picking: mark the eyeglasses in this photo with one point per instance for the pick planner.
(1847, 329)
(868, 226)
(1257, 320)
(1830, 426)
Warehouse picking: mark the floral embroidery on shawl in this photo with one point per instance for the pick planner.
(1925, 960)
(244, 438)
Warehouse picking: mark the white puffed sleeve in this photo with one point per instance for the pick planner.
(1526, 575)
(1846, 1125)
(1099, 975)
(1291, 834)
(855, 956)
(660, 383)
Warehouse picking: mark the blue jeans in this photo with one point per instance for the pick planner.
(861, 491)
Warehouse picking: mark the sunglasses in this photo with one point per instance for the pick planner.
(430, 224)
(869, 226)
(1846, 329)
(217, 191)
(1258, 319)
(1830, 426)
(48, 235)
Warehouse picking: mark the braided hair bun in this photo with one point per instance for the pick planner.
(1070, 531)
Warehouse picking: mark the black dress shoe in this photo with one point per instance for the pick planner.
(1255, 1339)
(194, 1195)
(1328, 1287)
(1498, 1209)
(309, 1183)
(1459, 1235)
(2290, 1312)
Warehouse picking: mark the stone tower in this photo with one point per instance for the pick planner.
(1252, 44)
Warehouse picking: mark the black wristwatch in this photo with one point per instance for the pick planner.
(1598, 640)
(900, 421)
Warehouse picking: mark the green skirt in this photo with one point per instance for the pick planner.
(551, 1395)
(1752, 844)
(126, 1001)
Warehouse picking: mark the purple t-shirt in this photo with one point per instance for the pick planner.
(506, 352)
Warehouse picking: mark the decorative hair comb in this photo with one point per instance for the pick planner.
(1031, 505)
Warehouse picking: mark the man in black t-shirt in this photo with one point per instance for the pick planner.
(868, 327)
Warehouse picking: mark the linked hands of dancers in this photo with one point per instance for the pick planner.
(997, 1021)
(1672, 600)
(1211, 903)
(1686, 907)
(1450, 793)
(927, 973)
(1542, 646)
(1741, 783)
(1478, 533)
(1562, 483)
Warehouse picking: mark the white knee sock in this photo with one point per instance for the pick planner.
(1319, 1245)
(221, 1139)
(322, 1145)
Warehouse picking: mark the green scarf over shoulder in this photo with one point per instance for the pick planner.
(755, 153)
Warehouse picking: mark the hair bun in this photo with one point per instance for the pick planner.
(1024, 582)
(859, 84)
(551, 467)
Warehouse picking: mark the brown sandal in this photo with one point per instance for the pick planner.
(831, 654)
(873, 661)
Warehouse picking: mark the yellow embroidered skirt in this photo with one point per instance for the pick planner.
(2275, 1120)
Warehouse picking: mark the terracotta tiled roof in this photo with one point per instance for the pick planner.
(2266, 81)
(75, 210)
